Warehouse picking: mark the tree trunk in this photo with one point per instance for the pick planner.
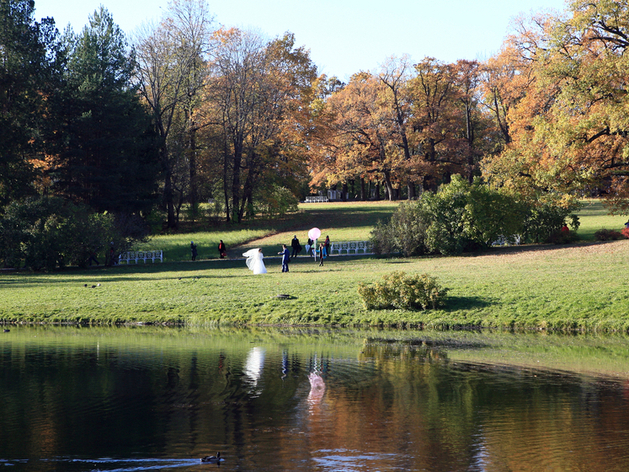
(470, 143)
(236, 215)
(226, 180)
(411, 190)
(168, 189)
(193, 197)
(388, 186)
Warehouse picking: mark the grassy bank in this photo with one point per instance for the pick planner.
(554, 287)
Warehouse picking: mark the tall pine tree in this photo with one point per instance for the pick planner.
(28, 70)
(107, 153)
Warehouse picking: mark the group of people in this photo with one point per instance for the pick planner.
(255, 257)
(323, 250)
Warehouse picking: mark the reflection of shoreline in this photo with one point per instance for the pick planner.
(317, 389)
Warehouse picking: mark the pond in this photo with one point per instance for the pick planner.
(154, 398)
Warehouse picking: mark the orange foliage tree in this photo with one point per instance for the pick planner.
(360, 138)
(569, 128)
(255, 93)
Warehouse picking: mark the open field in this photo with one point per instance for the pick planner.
(555, 287)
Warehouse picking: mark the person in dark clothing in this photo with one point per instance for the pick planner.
(112, 260)
(92, 259)
(193, 250)
(296, 246)
(285, 258)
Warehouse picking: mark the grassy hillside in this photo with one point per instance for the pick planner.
(341, 221)
(351, 221)
(577, 287)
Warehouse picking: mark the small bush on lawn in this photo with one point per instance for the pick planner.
(608, 235)
(399, 290)
(563, 237)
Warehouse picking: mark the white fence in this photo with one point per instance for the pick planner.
(316, 199)
(351, 247)
(136, 256)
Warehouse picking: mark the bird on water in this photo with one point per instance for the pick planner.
(212, 459)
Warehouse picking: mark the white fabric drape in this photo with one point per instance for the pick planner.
(255, 261)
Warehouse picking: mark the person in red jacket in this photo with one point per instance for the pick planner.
(222, 249)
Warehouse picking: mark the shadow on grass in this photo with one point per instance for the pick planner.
(174, 271)
(465, 303)
(534, 248)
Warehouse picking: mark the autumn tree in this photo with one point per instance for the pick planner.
(467, 75)
(394, 74)
(450, 130)
(405, 126)
(569, 129)
(503, 82)
(363, 138)
(255, 92)
(280, 159)
(172, 57)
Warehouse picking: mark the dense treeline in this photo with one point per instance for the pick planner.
(188, 112)
(78, 170)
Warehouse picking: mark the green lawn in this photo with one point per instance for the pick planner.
(593, 216)
(351, 221)
(564, 287)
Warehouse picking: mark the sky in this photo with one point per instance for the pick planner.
(343, 36)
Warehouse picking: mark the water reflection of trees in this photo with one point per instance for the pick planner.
(292, 401)
(402, 351)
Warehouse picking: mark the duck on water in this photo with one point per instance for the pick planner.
(212, 459)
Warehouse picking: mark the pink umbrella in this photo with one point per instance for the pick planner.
(314, 233)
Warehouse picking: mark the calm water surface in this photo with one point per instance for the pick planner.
(145, 398)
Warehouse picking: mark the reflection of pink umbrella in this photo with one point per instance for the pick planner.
(317, 388)
(314, 233)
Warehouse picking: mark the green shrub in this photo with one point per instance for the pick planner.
(493, 215)
(405, 232)
(276, 201)
(382, 239)
(546, 217)
(459, 217)
(563, 237)
(446, 218)
(48, 232)
(399, 290)
(462, 217)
